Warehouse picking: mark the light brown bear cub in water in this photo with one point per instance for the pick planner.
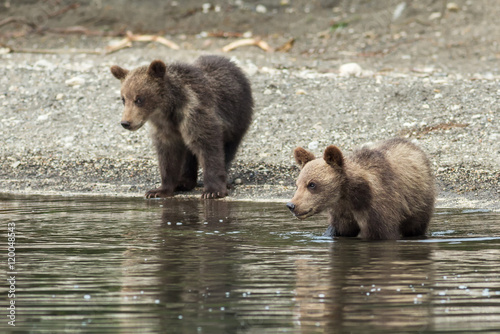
(383, 192)
(198, 113)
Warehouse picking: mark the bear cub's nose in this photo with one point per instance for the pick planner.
(125, 124)
(291, 206)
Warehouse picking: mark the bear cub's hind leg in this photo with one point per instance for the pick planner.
(214, 175)
(189, 173)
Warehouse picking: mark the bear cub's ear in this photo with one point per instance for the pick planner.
(302, 156)
(333, 156)
(157, 69)
(118, 72)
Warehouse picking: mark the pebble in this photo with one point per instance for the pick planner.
(250, 69)
(434, 16)
(350, 69)
(75, 81)
(261, 9)
(43, 118)
(452, 7)
(206, 7)
(44, 63)
(313, 145)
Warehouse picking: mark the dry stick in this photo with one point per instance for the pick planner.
(130, 37)
(64, 10)
(81, 30)
(16, 19)
(152, 38)
(287, 46)
(55, 51)
(246, 42)
(32, 25)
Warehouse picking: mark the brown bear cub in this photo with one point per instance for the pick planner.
(198, 113)
(383, 192)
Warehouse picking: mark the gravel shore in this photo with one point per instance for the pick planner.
(60, 113)
(61, 134)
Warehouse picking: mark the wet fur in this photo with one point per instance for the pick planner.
(198, 113)
(384, 192)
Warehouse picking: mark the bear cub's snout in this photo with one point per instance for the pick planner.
(290, 206)
(125, 124)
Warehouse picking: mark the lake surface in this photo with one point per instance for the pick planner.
(124, 265)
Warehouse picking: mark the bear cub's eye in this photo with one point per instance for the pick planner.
(311, 185)
(138, 101)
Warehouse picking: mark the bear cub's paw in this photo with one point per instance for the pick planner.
(159, 193)
(214, 194)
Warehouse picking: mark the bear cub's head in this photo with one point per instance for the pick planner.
(320, 181)
(142, 90)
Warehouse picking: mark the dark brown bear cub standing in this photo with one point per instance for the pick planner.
(198, 113)
(383, 192)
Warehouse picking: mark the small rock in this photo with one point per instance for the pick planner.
(251, 69)
(44, 63)
(68, 139)
(268, 91)
(59, 96)
(43, 118)
(452, 7)
(75, 81)
(350, 69)
(313, 145)
(398, 11)
(434, 16)
(300, 92)
(15, 164)
(261, 9)
(206, 7)
(238, 181)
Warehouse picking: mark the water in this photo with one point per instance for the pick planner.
(104, 265)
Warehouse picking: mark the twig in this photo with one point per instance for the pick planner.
(64, 10)
(152, 38)
(122, 44)
(55, 51)
(130, 37)
(246, 42)
(16, 19)
(82, 30)
(287, 46)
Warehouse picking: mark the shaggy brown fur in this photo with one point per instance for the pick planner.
(384, 192)
(199, 114)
